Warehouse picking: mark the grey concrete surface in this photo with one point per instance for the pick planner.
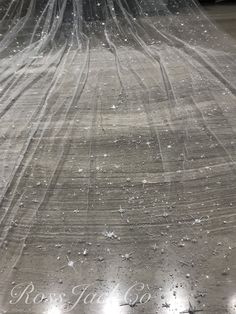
(224, 15)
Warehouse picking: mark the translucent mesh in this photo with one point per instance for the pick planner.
(148, 85)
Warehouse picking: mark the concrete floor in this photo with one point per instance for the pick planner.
(224, 15)
(120, 198)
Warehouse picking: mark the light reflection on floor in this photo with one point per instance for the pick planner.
(112, 305)
(232, 304)
(54, 309)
